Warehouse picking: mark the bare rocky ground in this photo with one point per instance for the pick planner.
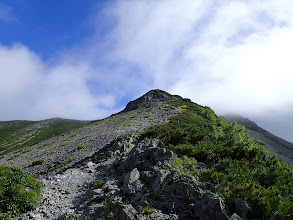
(136, 182)
(106, 170)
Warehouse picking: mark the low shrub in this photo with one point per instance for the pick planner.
(19, 192)
(79, 147)
(37, 162)
(99, 184)
(238, 165)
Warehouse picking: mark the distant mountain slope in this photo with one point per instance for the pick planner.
(282, 148)
(18, 134)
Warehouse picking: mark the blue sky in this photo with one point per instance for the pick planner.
(87, 59)
(46, 26)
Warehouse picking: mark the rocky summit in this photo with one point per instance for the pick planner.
(130, 166)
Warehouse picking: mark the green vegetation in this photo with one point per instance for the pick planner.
(116, 164)
(186, 165)
(64, 143)
(107, 207)
(62, 164)
(146, 210)
(18, 192)
(97, 199)
(99, 184)
(37, 162)
(12, 131)
(76, 133)
(238, 165)
(79, 147)
(162, 108)
(127, 124)
(157, 194)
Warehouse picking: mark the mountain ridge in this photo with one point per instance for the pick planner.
(282, 148)
(164, 157)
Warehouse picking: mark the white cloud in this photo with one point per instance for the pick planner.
(230, 55)
(32, 89)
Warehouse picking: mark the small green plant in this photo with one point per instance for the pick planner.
(37, 162)
(127, 124)
(148, 115)
(147, 210)
(109, 203)
(116, 164)
(97, 199)
(183, 108)
(73, 135)
(157, 194)
(79, 147)
(162, 108)
(106, 189)
(99, 184)
(62, 164)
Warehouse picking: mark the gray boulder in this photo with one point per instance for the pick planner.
(242, 208)
(132, 183)
(210, 207)
(126, 212)
(235, 217)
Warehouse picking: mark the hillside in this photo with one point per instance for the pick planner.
(282, 148)
(15, 135)
(162, 157)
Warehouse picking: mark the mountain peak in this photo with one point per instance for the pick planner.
(146, 99)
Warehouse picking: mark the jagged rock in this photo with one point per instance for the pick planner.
(162, 154)
(94, 209)
(242, 208)
(210, 207)
(145, 100)
(126, 212)
(132, 183)
(235, 217)
(160, 176)
(208, 186)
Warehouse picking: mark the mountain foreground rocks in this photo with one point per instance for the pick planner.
(121, 167)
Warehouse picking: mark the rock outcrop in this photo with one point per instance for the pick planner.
(137, 183)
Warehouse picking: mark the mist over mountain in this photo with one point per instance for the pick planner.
(282, 148)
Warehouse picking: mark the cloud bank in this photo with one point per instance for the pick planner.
(32, 89)
(234, 56)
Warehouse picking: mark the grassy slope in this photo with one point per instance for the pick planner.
(239, 166)
(13, 134)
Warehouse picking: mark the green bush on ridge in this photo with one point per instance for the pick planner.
(18, 192)
(238, 165)
(37, 162)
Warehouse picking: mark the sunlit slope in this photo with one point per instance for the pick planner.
(18, 134)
